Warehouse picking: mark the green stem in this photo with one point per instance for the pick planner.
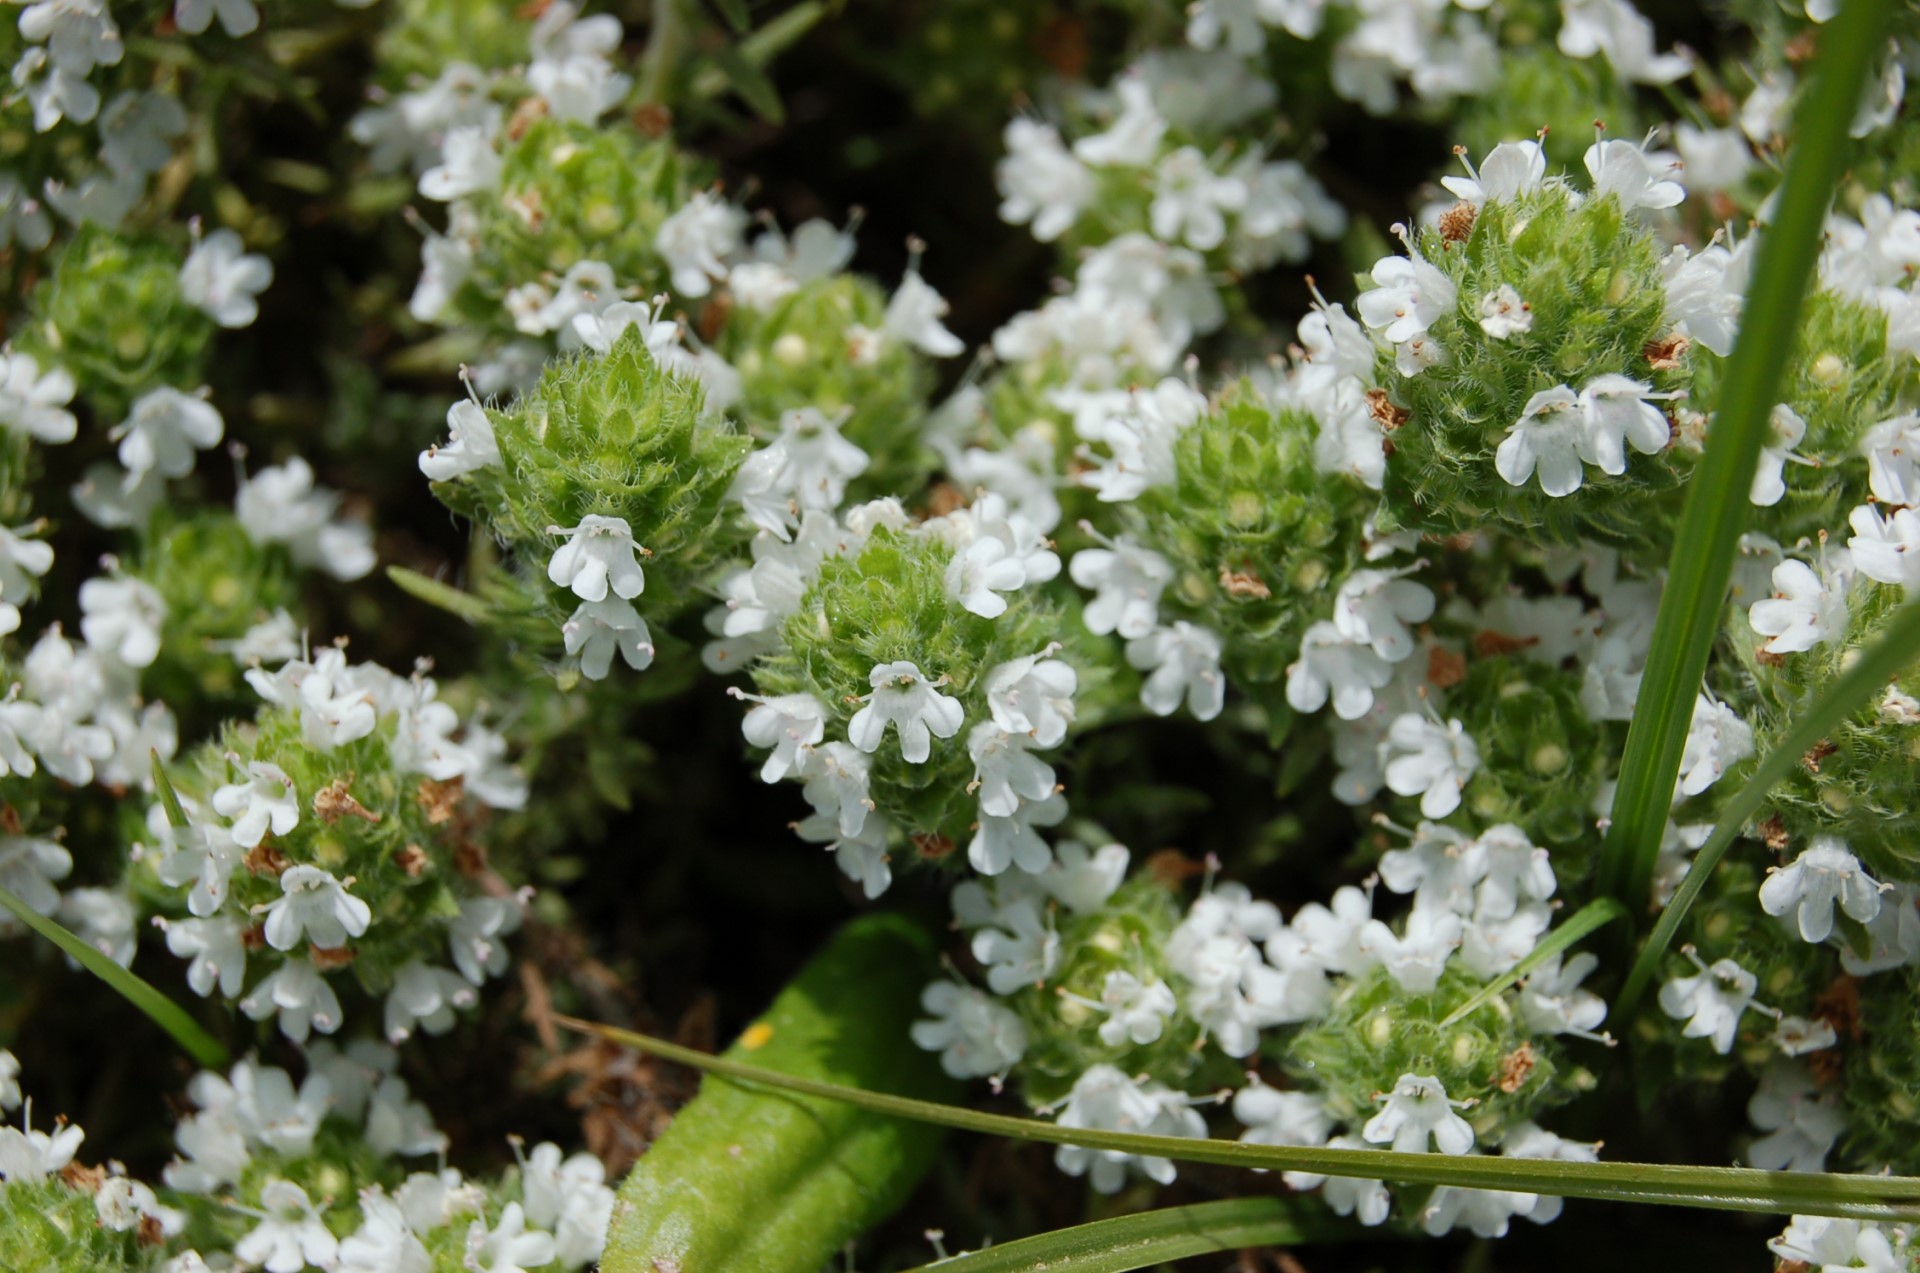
(1152, 1238)
(1717, 499)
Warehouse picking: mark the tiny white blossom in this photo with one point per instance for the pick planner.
(1511, 169)
(1422, 757)
(1892, 448)
(697, 239)
(1408, 296)
(1887, 549)
(1332, 664)
(1638, 179)
(1546, 438)
(837, 785)
(999, 843)
(913, 316)
(35, 404)
(1040, 181)
(1418, 1109)
(290, 1235)
(597, 630)
(29, 869)
(237, 17)
(1824, 874)
(301, 997)
(1190, 200)
(1105, 1098)
(975, 1036)
(1617, 412)
(1711, 1001)
(122, 1204)
(1416, 957)
(164, 429)
(1137, 1011)
(224, 279)
(1801, 1123)
(1033, 696)
(470, 446)
(313, 904)
(266, 800)
(216, 949)
(121, 618)
(1717, 740)
(1807, 608)
(1552, 1001)
(384, 1242)
(426, 997)
(1785, 430)
(1182, 662)
(1005, 773)
(469, 164)
(1503, 314)
(598, 555)
(1365, 1200)
(1275, 1117)
(1134, 137)
(790, 724)
(1376, 607)
(1018, 949)
(903, 697)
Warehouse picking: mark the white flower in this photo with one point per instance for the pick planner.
(1000, 842)
(837, 785)
(470, 446)
(1636, 178)
(1439, 867)
(1408, 296)
(1127, 580)
(1190, 199)
(103, 919)
(1617, 411)
(1717, 740)
(1005, 772)
(1490, 946)
(1546, 438)
(1136, 1011)
(1712, 1000)
(291, 1235)
(223, 279)
(1418, 1109)
(29, 868)
(1806, 608)
(596, 630)
(569, 1196)
(121, 617)
(445, 262)
(1886, 550)
(384, 1243)
(1333, 664)
(1824, 874)
(238, 17)
(1802, 1125)
(468, 164)
(1617, 29)
(1422, 757)
(509, 1247)
(1512, 871)
(1040, 181)
(1552, 1002)
(1375, 606)
(1892, 448)
(10, 1094)
(300, 995)
(975, 1036)
(1001, 551)
(266, 799)
(1274, 1117)
(23, 219)
(1797, 1036)
(598, 555)
(28, 1157)
(913, 315)
(1182, 662)
(425, 996)
(314, 904)
(1511, 169)
(1134, 137)
(34, 404)
(1835, 1246)
(1785, 429)
(903, 697)
(281, 505)
(1503, 314)
(1139, 432)
(122, 1204)
(1715, 158)
(1366, 1200)
(217, 951)
(164, 429)
(79, 34)
(1705, 291)
(1033, 696)
(788, 723)
(1107, 1099)
(1416, 957)
(697, 239)
(1018, 949)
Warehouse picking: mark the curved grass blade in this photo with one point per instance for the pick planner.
(1596, 914)
(1716, 507)
(164, 1012)
(1151, 1238)
(1856, 687)
(462, 605)
(1714, 1188)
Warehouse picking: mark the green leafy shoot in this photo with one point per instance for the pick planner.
(1717, 501)
(1151, 1238)
(164, 1012)
(1856, 687)
(1715, 1188)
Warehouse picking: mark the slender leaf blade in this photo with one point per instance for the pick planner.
(169, 798)
(164, 1012)
(1596, 914)
(1878, 664)
(1151, 1238)
(1716, 506)
(462, 605)
(735, 13)
(1713, 1188)
(751, 83)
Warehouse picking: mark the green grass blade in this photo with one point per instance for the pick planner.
(1855, 688)
(1596, 914)
(1716, 508)
(169, 798)
(1714, 1188)
(1151, 1238)
(462, 605)
(164, 1012)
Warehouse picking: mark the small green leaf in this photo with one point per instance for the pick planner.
(1595, 914)
(169, 798)
(761, 1182)
(1151, 1238)
(1713, 1188)
(462, 605)
(1717, 504)
(1868, 676)
(164, 1012)
(735, 13)
(751, 83)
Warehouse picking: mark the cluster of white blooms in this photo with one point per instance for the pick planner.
(253, 1124)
